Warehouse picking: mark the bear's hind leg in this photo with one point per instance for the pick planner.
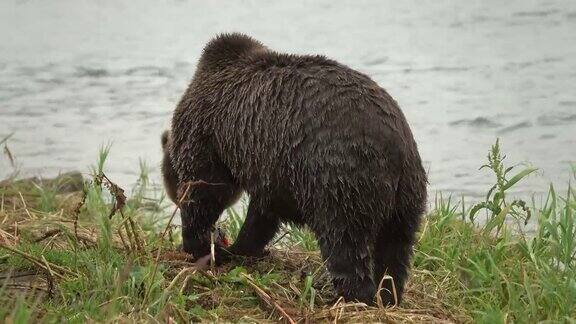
(397, 235)
(391, 257)
(348, 259)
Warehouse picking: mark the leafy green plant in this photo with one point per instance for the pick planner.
(495, 203)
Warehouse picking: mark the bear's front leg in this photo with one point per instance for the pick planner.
(259, 228)
(197, 223)
(200, 210)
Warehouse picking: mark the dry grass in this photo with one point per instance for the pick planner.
(75, 251)
(265, 290)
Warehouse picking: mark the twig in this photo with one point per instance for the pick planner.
(126, 246)
(137, 240)
(24, 203)
(130, 236)
(188, 186)
(279, 238)
(10, 156)
(47, 235)
(6, 138)
(145, 299)
(177, 278)
(49, 277)
(267, 299)
(76, 211)
(6, 237)
(178, 312)
(7, 150)
(175, 210)
(40, 263)
(207, 275)
(111, 300)
(393, 292)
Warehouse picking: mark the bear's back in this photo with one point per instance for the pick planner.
(278, 113)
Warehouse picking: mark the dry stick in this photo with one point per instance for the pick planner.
(16, 231)
(267, 299)
(6, 138)
(132, 239)
(10, 155)
(31, 288)
(170, 234)
(160, 246)
(126, 246)
(175, 210)
(279, 238)
(131, 232)
(111, 300)
(140, 231)
(24, 203)
(2, 209)
(189, 185)
(342, 305)
(182, 273)
(40, 263)
(49, 277)
(134, 227)
(137, 241)
(47, 235)
(47, 245)
(77, 212)
(4, 236)
(185, 284)
(179, 313)
(339, 312)
(207, 275)
(129, 235)
(393, 292)
(338, 309)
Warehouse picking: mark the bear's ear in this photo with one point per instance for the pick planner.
(165, 137)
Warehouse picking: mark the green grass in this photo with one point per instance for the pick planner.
(66, 257)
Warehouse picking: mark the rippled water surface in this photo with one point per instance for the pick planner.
(75, 74)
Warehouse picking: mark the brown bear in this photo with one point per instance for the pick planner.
(312, 142)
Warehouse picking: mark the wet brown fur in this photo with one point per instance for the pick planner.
(169, 175)
(312, 142)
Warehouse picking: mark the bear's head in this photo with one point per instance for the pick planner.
(168, 174)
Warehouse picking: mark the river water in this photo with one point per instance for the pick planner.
(76, 74)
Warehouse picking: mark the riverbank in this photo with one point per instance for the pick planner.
(95, 255)
(459, 71)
